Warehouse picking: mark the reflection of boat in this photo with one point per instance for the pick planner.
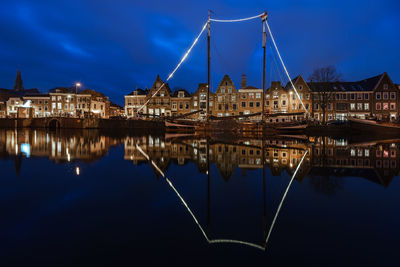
(382, 128)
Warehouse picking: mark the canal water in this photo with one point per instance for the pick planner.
(86, 197)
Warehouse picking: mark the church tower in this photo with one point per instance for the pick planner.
(18, 86)
(244, 82)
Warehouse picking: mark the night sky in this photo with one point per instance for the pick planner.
(114, 46)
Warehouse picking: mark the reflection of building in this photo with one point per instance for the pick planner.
(378, 160)
(85, 146)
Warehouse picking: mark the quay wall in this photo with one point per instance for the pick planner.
(76, 123)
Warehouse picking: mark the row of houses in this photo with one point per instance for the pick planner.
(67, 102)
(377, 97)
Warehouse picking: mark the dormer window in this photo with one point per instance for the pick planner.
(300, 87)
(385, 86)
(181, 94)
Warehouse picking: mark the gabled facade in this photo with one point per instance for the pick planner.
(160, 104)
(226, 99)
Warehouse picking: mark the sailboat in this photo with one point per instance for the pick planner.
(237, 123)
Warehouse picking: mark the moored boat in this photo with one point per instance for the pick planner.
(372, 126)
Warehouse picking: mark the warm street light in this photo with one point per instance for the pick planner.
(76, 87)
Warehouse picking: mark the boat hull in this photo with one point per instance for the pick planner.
(367, 126)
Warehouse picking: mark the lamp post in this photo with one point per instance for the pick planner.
(76, 87)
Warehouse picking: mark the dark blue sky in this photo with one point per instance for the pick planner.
(114, 45)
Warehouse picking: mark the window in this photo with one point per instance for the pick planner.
(352, 152)
(294, 106)
(359, 96)
(174, 105)
(72, 106)
(392, 95)
(219, 98)
(329, 106)
(366, 152)
(392, 106)
(316, 106)
(267, 103)
(366, 106)
(258, 104)
(359, 106)
(283, 102)
(366, 96)
(251, 95)
(258, 95)
(352, 106)
(195, 103)
(251, 104)
(53, 98)
(243, 104)
(180, 105)
(230, 90)
(59, 98)
(53, 105)
(378, 106)
(186, 105)
(378, 95)
(222, 90)
(300, 87)
(385, 86)
(234, 106)
(337, 96)
(344, 96)
(385, 106)
(59, 106)
(233, 98)
(352, 96)
(385, 95)
(219, 107)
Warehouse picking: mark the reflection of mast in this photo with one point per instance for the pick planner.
(264, 188)
(206, 236)
(208, 187)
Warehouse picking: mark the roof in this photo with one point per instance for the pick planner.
(63, 90)
(139, 91)
(37, 95)
(158, 79)
(176, 92)
(226, 78)
(249, 88)
(112, 104)
(359, 86)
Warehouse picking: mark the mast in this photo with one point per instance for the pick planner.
(208, 64)
(264, 19)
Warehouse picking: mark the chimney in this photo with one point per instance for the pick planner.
(244, 81)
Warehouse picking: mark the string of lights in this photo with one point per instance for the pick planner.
(237, 20)
(177, 67)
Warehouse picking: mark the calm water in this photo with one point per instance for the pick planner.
(92, 198)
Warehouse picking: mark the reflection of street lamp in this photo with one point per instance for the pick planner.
(76, 87)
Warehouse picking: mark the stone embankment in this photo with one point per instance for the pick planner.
(77, 123)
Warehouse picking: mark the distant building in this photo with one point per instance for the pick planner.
(226, 99)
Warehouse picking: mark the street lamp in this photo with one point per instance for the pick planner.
(76, 87)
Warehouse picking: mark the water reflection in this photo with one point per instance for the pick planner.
(321, 162)
(327, 160)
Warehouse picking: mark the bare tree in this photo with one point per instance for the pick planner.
(325, 74)
(322, 96)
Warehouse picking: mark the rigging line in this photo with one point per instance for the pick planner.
(277, 69)
(284, 67)
(283, 198)
(178, 66)
(223, 61)
(237, 20)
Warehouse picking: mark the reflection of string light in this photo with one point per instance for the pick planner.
(77, 171)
